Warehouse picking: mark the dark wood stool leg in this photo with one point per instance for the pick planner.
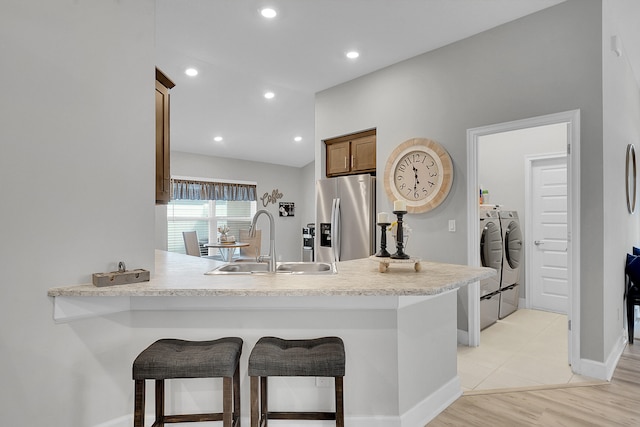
(339, 401)
(138, 406)
(264, 408)
(159, 403)
(630, 318)
(227, 401)
(236, 396)
(255, 396)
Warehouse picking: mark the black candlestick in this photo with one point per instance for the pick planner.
(383, 240)
(400, 238)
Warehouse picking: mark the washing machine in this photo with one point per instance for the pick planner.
(512, 260)
(490, 256)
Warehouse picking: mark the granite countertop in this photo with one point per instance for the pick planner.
(182, 275)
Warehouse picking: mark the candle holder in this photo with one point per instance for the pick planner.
(400, 238)
(383, 240)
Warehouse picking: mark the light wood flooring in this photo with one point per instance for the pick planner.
(602, 404)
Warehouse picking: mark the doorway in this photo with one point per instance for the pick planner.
(546, 248)
(571, 120)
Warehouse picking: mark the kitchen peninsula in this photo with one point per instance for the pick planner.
(399, 327)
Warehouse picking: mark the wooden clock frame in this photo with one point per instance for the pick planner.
(445, 168)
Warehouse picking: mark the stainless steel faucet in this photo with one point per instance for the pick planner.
(272, 238)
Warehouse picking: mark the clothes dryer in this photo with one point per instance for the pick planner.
(490, 256)
(511, 262)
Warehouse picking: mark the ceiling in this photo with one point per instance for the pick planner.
(240, 55)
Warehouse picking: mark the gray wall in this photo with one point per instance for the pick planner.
(544, 63)
(77, 163)
(621, 118)
(308, 208)
(290, 181)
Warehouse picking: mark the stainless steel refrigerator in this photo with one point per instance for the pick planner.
(345, 218)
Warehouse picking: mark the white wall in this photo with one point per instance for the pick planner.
(77, 163)
(308, 208)
(292, 182)
(544, 63)
(501, 167)
(621, 126)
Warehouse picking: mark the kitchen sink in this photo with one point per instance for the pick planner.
(306, 267)
(281, 268)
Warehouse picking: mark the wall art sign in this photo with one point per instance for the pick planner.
(271, 198)
(287, 209)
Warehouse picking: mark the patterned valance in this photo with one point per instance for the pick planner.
(206, 190)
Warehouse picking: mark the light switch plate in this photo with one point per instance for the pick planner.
(452, 225)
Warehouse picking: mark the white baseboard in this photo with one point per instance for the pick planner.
(600, 370)
(419, 415)
(124, 421)
(429, 408)
(463, 337)
(379, 421)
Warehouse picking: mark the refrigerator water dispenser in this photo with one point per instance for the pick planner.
(325, 235)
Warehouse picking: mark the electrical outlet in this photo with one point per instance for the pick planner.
(452, 225)
(323, 382)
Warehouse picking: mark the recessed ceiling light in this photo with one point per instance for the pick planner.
(353, 54)
(269, 95)
(191, 72)
(297, 139)
(268, 12)
(217, 139)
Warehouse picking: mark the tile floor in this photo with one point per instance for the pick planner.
(526, 349)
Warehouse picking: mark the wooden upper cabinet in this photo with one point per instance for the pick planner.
(351, 154)
(363, 154)
(338, 158)
(163, 171)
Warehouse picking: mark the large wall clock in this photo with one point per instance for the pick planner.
(420, 172)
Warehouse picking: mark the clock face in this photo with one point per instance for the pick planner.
(420, 172)
(417, 175)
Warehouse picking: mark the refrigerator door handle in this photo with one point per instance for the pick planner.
(335, 229)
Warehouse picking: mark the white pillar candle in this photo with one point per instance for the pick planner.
(383, 218)
(399, 205)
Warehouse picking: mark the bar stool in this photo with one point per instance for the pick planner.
(172, 358)
(276, 357)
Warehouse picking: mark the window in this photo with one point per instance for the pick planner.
(205, 216)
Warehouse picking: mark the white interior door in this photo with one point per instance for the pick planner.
(548, 273)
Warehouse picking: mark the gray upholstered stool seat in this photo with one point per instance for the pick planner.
(319, 357)
(173, 358)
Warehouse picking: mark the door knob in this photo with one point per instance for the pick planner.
(538, 242)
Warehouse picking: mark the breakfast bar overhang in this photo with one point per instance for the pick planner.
(399, 328)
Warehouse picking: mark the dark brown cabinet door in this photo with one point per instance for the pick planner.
(163, 171)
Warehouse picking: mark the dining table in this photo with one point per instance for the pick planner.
(226, 249)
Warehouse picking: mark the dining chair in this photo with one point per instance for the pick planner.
(191, 245)
(632, 289)
(251, 252)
